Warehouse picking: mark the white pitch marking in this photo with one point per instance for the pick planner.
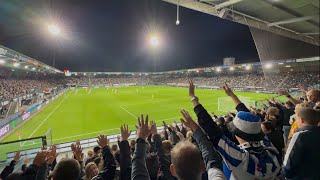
(47, 117)
(128, 112)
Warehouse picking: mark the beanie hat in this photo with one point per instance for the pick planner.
(247, 126)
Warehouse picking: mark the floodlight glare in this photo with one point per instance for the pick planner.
(248, 67)
(54, 29)
(154, 41)
(177, 22)
(231, 68)
(26, 67)
(33, 68)
(2, 61)
(268, 65)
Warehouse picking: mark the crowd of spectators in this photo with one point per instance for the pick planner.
(278, 141)
(11, 88)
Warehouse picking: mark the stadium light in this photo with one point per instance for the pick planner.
(268, 65)
(54, 29)
(231, 68)
(2, 61)
(154, 41)
(248, 67)
(16, 64)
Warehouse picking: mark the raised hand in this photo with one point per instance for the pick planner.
(227, 90)
(125, 133)
(40, 158)
(143, 130)
(191, 88)
(52, 154)
(283, 92)
(78, 153)
(153, 128)
(103, 141)
(188, 121)
(17, 156)
(165, 125)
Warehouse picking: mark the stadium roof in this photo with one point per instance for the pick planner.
(12, 59)
(295, 19)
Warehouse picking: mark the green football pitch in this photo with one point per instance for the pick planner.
(85, 113)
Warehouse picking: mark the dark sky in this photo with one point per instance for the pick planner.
(111, 35)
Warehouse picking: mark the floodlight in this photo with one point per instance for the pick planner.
(54, 29)
(154, 41)
(26, 67)
(16, 64)
(231, 68)
(268, 65)
(248, 67)
(2, 61)
(33, 68)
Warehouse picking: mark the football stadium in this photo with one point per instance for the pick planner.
(225, 89)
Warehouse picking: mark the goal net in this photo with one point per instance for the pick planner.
(225, 104)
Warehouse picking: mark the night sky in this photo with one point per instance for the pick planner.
(111, 35)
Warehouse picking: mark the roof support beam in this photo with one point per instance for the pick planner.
(288, 21)
(245, 19)
(227, 3)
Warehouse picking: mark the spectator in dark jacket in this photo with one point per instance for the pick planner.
(9, 169)
(274, 136)
(302, 157)
(288, 111)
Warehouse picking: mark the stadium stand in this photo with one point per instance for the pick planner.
(185, 151)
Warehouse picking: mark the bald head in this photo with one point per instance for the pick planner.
(313, 96)
(186, 161)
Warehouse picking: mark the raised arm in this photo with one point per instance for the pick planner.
(139, 168)
(109, 169)
(210, 156)
(286, 93)
(204, 119)
(239, 105)
(125, 158)
(163, 159)
(9, 169)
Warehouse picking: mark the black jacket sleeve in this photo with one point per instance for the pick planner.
(163, 159)
(109, 170)
(242, 107)
(125, 160)
(208, 125)
(8, 170)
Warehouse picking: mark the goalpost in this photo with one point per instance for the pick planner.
(225, 104)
